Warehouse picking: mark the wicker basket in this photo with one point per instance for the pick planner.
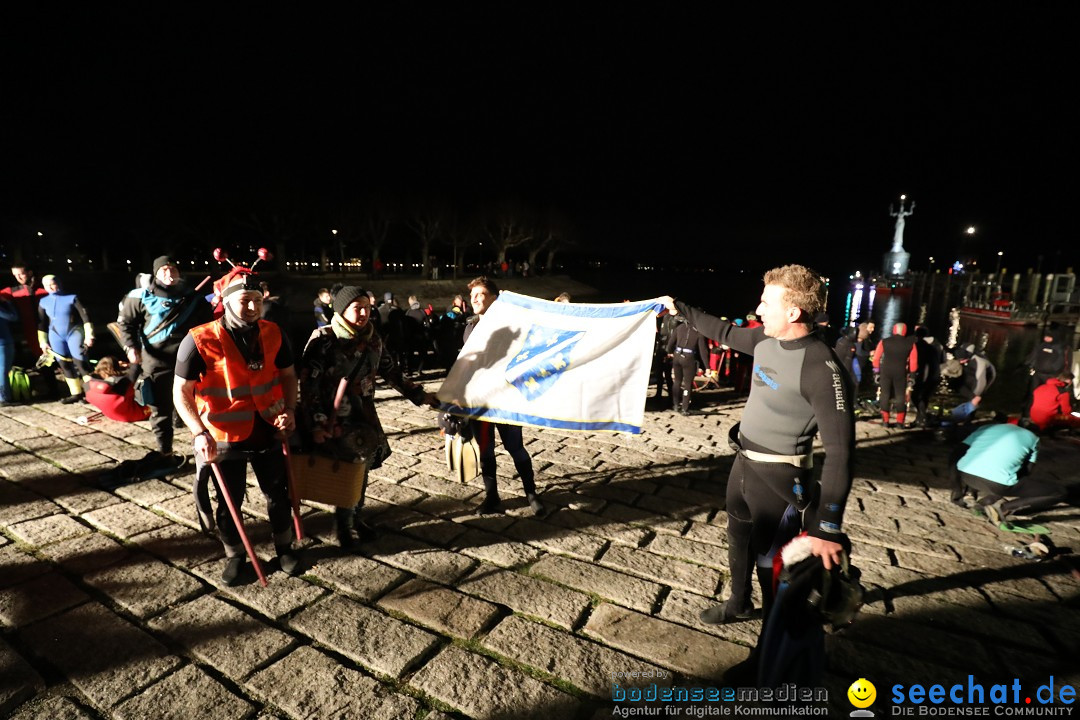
(326, 480)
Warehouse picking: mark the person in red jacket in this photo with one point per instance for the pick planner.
(112, 391)
(894, 358)
(1051, 406)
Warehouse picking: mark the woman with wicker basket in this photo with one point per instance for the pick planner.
(337, 389)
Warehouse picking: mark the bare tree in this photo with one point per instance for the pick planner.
(461, 233)
(374, 229)
(507, 227)
(428, 220)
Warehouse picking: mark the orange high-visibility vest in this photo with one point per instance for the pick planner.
(229, 393)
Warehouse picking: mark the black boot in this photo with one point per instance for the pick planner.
(344, 520)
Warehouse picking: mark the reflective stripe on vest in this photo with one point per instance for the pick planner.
(229, 393)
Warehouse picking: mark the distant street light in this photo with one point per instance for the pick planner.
(970, 230)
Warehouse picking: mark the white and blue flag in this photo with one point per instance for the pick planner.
(569, 366)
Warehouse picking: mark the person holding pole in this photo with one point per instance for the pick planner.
(236, 390)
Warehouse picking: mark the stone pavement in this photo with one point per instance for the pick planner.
(110, 605)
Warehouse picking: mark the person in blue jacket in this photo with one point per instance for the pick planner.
(65, 331)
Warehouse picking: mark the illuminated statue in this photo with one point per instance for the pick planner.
(896, 260)
(898, 234)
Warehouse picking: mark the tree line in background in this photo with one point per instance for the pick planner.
(367, 236)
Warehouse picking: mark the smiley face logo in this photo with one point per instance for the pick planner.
(862, 693)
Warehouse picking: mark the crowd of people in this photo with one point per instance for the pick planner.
(217, 365)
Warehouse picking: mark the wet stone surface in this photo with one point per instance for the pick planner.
(112, 606)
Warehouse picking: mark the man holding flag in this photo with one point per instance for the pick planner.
(797, 388)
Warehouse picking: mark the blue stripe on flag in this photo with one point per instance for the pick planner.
(514, 418)
(616, 310)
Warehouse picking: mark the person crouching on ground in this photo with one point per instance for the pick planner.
(236, 389)
(349, 349)
(996, 461)
(112, 391)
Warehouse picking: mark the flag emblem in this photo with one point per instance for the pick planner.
(542, 359)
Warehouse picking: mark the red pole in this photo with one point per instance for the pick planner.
(297, 524)
(238, 522)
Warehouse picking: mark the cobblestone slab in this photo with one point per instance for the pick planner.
(18, 505)
(685, 608)
(666, 644)
(18, 679)
(222, 636)
(355, 575)
(437, 486)
(37, 598)
(380, 642)
(125, 520)
(18, 566)
(695, 552)
(52, 708)
(149, 492)
(143, 585)
(601, 527)
(282, 596)
(496, 549)
(556, 539)
(431, 530)
(21, 467)
(947, 615)
(899, 636)
(13, 430)
(623, 589)
(106, 658)
(179, 545)
(85, 553)
(528, 595)
(189, 693)
(712, 533)
(309, 685)
(394, 494)
(78, 499)
(853, 659)
(180, 509)
(585, 664)
(430, 563)
(440, 608)
(51, 529)
(666, 571)
(485, 690)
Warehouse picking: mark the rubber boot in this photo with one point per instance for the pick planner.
(343, 518)
(884, 418)
(900, 417)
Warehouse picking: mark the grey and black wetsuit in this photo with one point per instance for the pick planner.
(798, 389)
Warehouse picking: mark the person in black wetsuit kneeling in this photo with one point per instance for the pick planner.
(797, 389)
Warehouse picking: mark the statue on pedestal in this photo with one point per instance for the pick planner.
(897, 259)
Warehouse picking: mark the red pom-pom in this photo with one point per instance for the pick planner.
(265, 255)
(221, 255)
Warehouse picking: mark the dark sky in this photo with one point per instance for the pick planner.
(774, 137)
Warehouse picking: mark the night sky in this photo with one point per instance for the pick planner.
(655, 135)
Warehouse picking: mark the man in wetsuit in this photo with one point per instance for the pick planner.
(798, 387)
(894, 358)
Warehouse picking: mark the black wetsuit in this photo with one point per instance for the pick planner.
(685, 345)
(895, 355)
(798, 388)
